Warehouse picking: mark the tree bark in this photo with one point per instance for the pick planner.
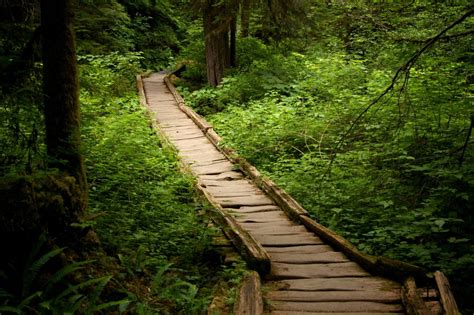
(245, 18)
(61, 92)
(216, 42)
(233, 46)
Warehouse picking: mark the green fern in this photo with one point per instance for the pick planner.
(30, 273)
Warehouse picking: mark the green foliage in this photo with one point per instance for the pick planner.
(21, 128)
(397, 185)
(103, 27)
(45, 290)
(149, 212)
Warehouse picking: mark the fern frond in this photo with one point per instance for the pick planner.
(30, 273)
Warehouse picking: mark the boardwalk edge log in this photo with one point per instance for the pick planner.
(250, 300)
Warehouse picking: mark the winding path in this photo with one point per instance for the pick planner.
(307, 276)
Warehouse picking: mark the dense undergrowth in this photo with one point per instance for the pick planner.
(151, 244)
(150, 215)
(399, 184)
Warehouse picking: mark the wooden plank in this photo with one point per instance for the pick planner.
(175, 129)
(250, 300)
(216, 168)
(339, 270)
(309, 258)
(230, 202)
(197, 156)
(287, 240)
(412, 301)
(241, 187)
(224, 195)
(210, 162)
(349, 307)
(336, 284)
(314, 249)
(275, 230)
(175, 133)
(335, 296)
(268, 216)
(447, 299)
(252, 209)
(184, 123)
(219, 183)
(227, 176)
(198, 148)
(192, 142)
(254, 226)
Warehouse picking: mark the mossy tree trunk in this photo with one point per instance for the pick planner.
(61, 95)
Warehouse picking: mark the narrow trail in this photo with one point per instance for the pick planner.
(307, 275)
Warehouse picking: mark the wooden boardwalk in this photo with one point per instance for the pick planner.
(307, 275)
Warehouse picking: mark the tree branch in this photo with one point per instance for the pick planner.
(403, 70)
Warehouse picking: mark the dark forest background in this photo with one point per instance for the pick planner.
(362, 110)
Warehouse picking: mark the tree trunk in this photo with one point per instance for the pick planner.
(232, 47)
(245, 18)
(60, 88)
(216, 42)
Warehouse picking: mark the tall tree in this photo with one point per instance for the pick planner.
(61, 92)
(218, 18)
(245, 18)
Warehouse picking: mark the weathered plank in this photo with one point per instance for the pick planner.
(287, 240)
(195, 148)
(252, 226)
(349, 307)
(170, 117)
(336, 296)
(300, 249)
(291, 271)
(309, 258)
(277, 229)
(192, 142)
(227, 176)
(447, 299)
(241, 187)
(253, 209)
(209, 162)
(207, 183)
(216, 168)
(175, 129)
(250, 301)
(196, 156)
(230, 202)
(184, 136)
(176, 123)
(412, 300)
(336, 284)
(269, 216)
